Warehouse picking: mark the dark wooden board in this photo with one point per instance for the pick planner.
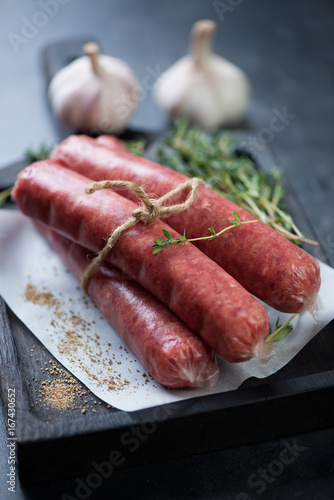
(53, 443)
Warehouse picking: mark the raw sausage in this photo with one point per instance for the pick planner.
(194, 287)
(175, 356)
(264, 262)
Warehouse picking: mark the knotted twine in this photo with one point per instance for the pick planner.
(150, 210)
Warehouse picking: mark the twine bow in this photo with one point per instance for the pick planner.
(150, 210)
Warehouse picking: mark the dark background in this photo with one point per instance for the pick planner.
(286, 48)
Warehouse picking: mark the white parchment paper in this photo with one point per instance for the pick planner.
(77, 335)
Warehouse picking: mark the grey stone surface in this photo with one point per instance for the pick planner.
(286, 48)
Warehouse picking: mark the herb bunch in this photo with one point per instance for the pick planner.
(32, 155)
(42, 153)
(214, 157)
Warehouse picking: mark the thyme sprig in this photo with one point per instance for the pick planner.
(136, 146)
(160, 244)
(214, 157)
(281, 331)
(42, 153)
(5, 195)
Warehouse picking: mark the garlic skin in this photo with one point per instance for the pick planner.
(207, 89)
(95, 93)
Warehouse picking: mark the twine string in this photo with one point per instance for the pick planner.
(150, 210)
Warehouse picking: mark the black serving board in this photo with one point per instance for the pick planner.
(53, 443)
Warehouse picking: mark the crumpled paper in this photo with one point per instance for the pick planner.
(76, 334)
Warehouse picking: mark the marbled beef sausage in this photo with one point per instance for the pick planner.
(195, 288)
(264, 262)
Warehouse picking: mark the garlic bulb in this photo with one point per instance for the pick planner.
(96, 93)
(202, 86)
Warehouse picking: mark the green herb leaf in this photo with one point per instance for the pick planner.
(182, 239)
(5, 195)
(284, 332)
(167, 234)
(281, 331)
(136, 146)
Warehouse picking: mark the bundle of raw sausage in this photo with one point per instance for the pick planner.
(264, 262)
(175, 356)
(195, 288)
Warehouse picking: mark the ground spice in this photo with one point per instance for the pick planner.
(70, 343)
(59, 394)
(37, 297)
(61, 391)
(82, 347)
